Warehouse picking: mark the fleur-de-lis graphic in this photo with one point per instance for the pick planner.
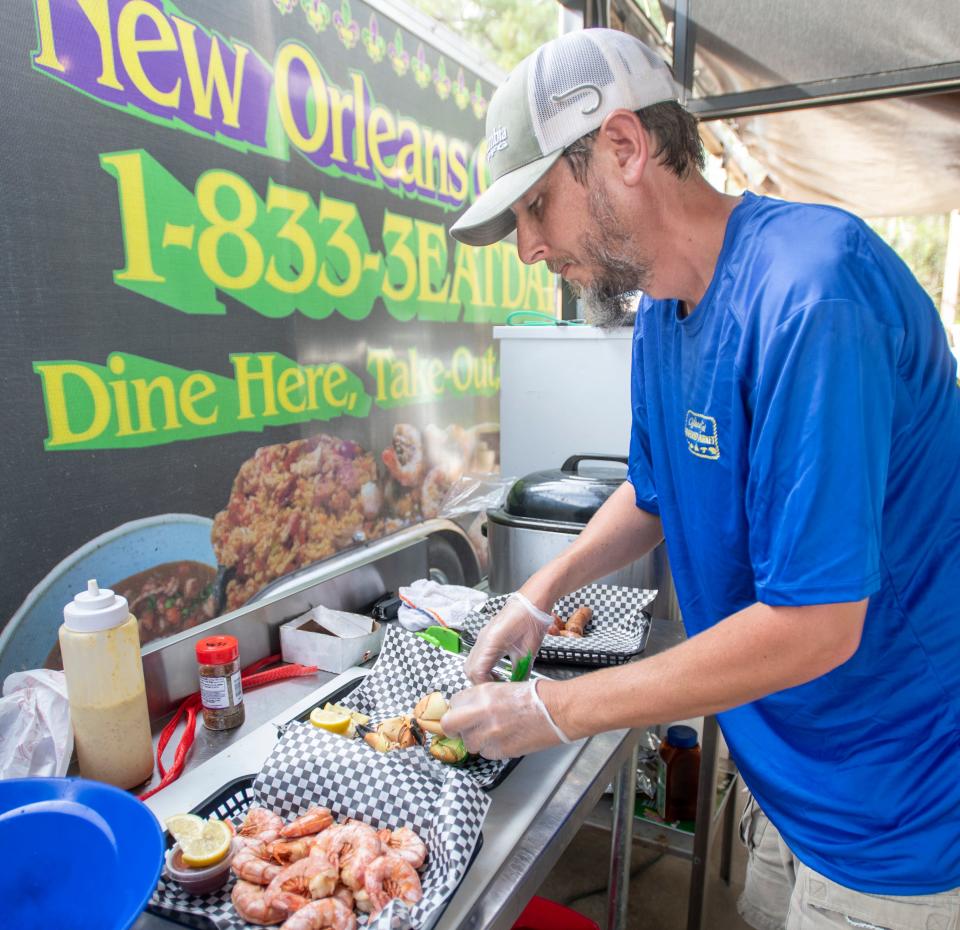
(347, 27)
(398, 57)
(478, 101)
(461, 95)
(318, 14)
(421, 70)
(440, 80)
(285, 6)
(373, 42)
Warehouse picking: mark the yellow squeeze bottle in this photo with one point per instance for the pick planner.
(100, 643)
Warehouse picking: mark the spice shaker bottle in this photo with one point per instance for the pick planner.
(221, 693)
(678, 775)
(100, 643)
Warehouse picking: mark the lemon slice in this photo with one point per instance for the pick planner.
(354, 715)
(182, 826)
(330, 720)
(208, 847)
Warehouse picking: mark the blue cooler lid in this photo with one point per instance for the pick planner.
(682, 737)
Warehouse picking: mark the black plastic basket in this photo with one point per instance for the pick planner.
(231, 803)
(618, 632)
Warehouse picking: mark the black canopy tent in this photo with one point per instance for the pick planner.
(851, 103)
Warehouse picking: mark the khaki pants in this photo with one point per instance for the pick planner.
(781, 893)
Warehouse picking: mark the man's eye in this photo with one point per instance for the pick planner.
(536, 208)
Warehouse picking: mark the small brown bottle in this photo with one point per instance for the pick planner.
(678, 775)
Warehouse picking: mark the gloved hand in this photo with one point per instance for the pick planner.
(502, 720)
(519, 628)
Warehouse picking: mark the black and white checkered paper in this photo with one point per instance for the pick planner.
(617, 632)
(310, 766)
(407, 669)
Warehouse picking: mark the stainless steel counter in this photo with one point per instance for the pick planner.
(534, 813)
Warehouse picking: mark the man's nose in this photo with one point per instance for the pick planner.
(530, 245)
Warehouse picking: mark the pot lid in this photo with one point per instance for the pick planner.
(565, 494)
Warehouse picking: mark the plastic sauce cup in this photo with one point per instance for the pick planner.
(199, 881)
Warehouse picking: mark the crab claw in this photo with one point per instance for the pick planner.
(430, 708)
(392, 727)
(449, 750)
(398, 730)
(379, 742)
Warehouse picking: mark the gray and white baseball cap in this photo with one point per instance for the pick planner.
(561, 92)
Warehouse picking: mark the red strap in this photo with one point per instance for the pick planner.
(250, 678)
(259, 664)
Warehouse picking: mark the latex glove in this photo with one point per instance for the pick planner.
(519, 628)
(502, 720)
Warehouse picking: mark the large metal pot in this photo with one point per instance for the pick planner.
(544, 513)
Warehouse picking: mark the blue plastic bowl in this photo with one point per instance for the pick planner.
(78, 854)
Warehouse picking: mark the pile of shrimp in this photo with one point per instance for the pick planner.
(311, 873)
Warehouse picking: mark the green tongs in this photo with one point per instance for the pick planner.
(521, 671)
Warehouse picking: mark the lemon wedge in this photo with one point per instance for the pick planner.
(208, 847)
(330, 720)
(354, 715)
(182, 826)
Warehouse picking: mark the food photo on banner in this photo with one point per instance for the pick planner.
(237, 337)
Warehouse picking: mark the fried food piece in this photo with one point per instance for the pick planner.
(578, 620)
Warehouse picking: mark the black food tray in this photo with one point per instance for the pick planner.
(231, 803)
(618, 631)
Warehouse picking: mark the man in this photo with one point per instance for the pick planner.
(796, 439)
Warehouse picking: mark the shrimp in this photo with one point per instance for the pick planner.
(351, 849)
(404, 457)
(314, 820)
(328, 914)
(261, 823)
(251, 904)
(246, 864)
(288, 851)
(343, 894)
(324, 844)
(298, 884)
(404, 843)
(253, 843)
(390, 877)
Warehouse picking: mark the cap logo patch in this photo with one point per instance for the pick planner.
(579, 89)
(496, 141)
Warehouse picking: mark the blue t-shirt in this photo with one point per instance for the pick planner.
(799, 436)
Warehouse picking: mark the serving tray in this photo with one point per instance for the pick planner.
(618, 631)
(310, 766)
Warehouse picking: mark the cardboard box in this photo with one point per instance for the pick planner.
(330, 639)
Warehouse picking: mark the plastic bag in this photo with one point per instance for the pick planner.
(467, 503)
(36, 736)
(475, 493)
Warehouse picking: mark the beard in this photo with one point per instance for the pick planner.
(608, 299)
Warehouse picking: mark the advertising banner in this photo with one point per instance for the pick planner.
(237, 336)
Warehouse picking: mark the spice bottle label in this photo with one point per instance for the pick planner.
(237, 687)
(213, 691)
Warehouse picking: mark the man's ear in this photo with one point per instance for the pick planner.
(628, 143)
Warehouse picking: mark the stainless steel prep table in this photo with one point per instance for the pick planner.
(534, 814)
